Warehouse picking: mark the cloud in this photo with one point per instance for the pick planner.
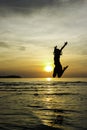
(28, 3)
(4, 45)
(26, 6)
(22, 48)
(35, 2)
(13, 47)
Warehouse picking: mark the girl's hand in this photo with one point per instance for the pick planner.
(66, 43)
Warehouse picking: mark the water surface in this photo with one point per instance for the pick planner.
(33, 104)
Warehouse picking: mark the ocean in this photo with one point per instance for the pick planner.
(43, 103)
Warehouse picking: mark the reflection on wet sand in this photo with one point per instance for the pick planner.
(58, 120)
(44, 127)
(49, 114)
(43, 105)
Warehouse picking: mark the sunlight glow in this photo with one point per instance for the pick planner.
(48, 68)
(48, 79)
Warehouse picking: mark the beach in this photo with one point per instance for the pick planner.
(43, 103)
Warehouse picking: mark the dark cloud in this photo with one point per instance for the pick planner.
(4, 45)
(22, 48)
(21, 5)
(27, 3)
(32, 3)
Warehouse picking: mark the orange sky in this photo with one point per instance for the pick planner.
(29, 32)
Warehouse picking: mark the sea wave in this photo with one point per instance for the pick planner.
(42, 83)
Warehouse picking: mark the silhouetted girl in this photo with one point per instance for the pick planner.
(58, 67)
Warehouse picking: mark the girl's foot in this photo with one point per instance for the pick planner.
(65, 67)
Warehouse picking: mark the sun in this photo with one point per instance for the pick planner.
(48, 68)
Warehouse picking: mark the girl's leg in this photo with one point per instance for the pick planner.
(60, 73)
(55, 71)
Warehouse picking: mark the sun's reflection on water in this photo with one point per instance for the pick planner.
(50, 111)
(48, 79)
